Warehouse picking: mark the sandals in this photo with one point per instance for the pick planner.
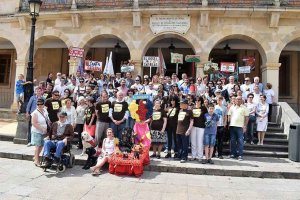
(96, 173)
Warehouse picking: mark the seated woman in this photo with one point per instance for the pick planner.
(61, 134)
(108, 148)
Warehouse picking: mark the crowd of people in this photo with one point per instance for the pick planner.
(199, 112)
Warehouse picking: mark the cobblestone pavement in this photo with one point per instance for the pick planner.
(20, 179)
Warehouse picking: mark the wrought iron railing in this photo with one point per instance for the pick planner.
(56, 5)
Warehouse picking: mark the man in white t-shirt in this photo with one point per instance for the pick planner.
(229, 86)
(245, 88)
(61, 87)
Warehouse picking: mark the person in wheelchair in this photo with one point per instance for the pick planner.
(61, 134)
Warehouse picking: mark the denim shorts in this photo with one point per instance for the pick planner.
(37, 139)
(209, 139)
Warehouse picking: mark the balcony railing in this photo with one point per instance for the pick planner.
(56, 5)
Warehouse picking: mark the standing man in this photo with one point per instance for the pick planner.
(129, 81)
(103, 120)
(238, 119)
(53, 105)
(118, 114)
(184, 127)
(230, 85)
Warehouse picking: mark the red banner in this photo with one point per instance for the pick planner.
(76, 52)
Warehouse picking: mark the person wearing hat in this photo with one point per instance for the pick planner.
(184, 127)
(61, 133)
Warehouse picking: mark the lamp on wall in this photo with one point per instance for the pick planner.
(117, 47)
(171, 47)
(227, 48)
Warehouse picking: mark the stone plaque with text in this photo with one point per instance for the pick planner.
(170, 23)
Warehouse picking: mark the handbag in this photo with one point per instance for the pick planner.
(47, 122)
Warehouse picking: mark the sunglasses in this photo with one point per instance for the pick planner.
(39, 104)
(175, 86)
(250, 97)
(57, 95)
(137, 80)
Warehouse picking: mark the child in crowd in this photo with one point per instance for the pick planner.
(210, 131)
(20, 91)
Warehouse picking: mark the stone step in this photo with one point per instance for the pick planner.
(7, 114)
(277, 135)
(274, 141)
(275, 129)
(254, 153)
(265, 147)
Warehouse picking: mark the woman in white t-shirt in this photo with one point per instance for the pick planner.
(108, 148)
(39, 120)
(269, 93)
(71, 112)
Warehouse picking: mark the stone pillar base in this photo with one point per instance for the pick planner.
(22, 129)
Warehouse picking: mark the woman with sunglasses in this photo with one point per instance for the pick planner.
(40, 122)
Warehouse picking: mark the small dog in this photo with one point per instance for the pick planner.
(87, 141)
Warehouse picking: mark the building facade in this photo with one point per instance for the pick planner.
(268, 31)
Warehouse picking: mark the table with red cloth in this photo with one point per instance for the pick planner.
(128, 166)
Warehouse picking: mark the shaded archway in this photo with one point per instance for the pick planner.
(8, 55)
(170, 43)
(237, 49)
(51, 55)
(289, 74)
(99, 47)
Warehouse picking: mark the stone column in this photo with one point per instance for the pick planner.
(22, 128)
(21, 66)
(138, 68)
(73, 65)
(270, 74)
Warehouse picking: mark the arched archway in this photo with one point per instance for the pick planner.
(170, 43)
(51, 55)
(289, 71)
(238, 49)
(99, 47)
(8, 55)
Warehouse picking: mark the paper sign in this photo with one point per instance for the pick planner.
(150, 61)
(127, 68)
(93, 65)
(176, 58)
(76, 52)
(245, 70)
(140, 96)
(227, 67)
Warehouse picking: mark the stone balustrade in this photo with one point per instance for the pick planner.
(55, 5)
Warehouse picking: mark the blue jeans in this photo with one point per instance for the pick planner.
(130, 122)
(236, 139)
(250, 128)
(182, 142)
(117, 129)
(51, 144)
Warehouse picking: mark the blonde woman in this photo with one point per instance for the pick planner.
(71, 112)
(108, 148)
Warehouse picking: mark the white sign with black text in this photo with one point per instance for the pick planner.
(170, 23)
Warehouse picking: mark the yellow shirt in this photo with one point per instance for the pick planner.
(237, 115)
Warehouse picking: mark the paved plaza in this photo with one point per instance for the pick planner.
(20, 179)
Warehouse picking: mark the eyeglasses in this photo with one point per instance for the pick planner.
(137, 80)
(57, 95)
(250, 97)
(81, 81)
(174, 86)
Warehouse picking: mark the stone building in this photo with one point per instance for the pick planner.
(267, 30)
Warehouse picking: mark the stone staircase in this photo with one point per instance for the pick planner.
(275, 144)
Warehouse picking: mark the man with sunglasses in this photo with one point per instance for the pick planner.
(245, 88)
(53, 106)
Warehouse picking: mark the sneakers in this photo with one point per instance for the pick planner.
(193, 159)
(153, 155)
(220, 157)
(210, 161)
(182, 160)
(232, 156)
(176, 156)
(168, 155)
(29, 144)
(258, 143)
(261, 143)
(240, 158)
(166, 151)
(251, 143)
(158, 156)
(204, 161)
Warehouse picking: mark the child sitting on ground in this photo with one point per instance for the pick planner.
(210, 132)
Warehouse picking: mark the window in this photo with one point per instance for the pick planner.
(284, 75)
(5, 66)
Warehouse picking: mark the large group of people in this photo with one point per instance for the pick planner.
(199, 112)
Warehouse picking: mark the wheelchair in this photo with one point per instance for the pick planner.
(66, 160)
